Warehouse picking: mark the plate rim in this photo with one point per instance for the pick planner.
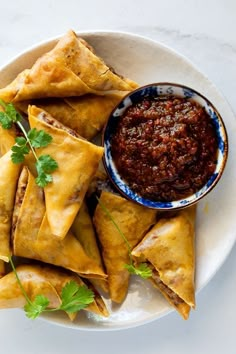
(157, 43)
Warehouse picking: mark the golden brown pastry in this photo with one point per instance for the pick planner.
(42, 280)
(77, 160)
(8, 182)
(86, 115)
(68, 253)
(169, 250)
(83, 230)
(134, 221)
(69, 69)
(2, 268)
(32, 237)
(7, 139)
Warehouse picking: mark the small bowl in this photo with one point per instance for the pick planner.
(165, 90)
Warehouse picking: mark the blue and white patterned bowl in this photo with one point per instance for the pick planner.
(155, 90)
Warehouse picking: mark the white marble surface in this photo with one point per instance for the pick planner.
(204, 31)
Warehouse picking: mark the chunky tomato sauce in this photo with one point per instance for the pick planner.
(165, 148)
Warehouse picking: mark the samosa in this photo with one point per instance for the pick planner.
(83, 230)
(42, 280)
(70, 69)
(134, 221)
(32, 237)
(169, 250)
(86, 115)
(78, 162)
(8, 182)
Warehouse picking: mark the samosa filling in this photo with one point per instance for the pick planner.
(22, 184)
(53, 122)
(172, 296)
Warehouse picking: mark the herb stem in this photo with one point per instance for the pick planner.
(19, 281)
(27, 139)
(2, 103)
(106, 211)
(52, 310)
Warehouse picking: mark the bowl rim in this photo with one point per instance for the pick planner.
(214, 89)
(182, 203)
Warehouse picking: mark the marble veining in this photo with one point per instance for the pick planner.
(203, 31)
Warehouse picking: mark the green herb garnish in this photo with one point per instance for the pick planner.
(33, 139)
(74, 298)
(45, 165)
(34, 308)
(10, 115)
(141, 269)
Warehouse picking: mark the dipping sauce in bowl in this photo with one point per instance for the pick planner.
(165, 146)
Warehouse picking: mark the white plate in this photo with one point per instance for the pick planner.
(147, 62)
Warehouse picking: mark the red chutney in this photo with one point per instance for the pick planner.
(165, 148)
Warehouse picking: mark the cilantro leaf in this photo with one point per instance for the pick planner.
(44, 166)
(5, 121)
(69, 291)
(43, 179)
(21, 141)
(142, 270)
(34, 139)
(34, 308)
(19, 153)
(75, 298)
(39, 138)
(12, 113)
(9, 116)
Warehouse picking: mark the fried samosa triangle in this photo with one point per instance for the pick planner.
(86, 115)
(70, 69)
(68, 253)
(168, 248)
(84, 231)
(8, 183)
(42, 280)
(134, 221)
(32, 237)
(78, 162)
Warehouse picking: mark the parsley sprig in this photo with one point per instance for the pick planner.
(74, 298)
(141, 269)
(31, 140)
